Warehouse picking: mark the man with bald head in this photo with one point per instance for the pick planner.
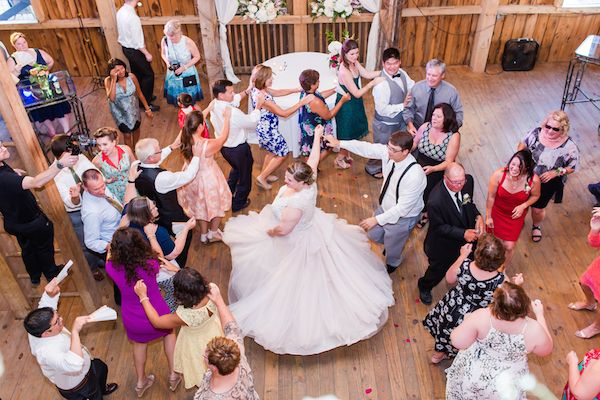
(453, 221)
(160, 185)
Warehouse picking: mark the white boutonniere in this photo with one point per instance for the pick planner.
(527, 188)
(466, 199)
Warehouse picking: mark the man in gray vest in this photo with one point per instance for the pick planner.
(391, 96)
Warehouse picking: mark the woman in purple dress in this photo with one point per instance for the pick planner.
(132, 259)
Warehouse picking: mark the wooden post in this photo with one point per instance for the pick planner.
(300, 7)
(108, 23)
(483, 37)
(17, 300)
(389, 25)
(33, 159)
(38, 10)
(209, 31)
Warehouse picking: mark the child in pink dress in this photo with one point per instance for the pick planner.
(186, 106)
(207, 197)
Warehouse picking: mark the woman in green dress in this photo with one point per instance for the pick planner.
(351, 120)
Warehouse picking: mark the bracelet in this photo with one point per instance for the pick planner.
(144, 299)
(130, 181)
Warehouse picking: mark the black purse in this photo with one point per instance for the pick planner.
(190, 81)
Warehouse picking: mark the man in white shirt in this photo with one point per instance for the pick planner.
(401, 197)
(60, 354)
(160, 185)
(236, 149)
(391, 96)
(131, 38)
(68, 183)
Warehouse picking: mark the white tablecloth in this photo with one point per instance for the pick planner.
(286, 71)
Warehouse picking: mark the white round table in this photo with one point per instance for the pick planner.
(286, 71)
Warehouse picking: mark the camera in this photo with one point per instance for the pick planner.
(174, 66)
(72, 145)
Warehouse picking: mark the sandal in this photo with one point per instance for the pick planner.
(174, 383)
(585, 332)
(263, 185)
(536, 238)
(272, 178)
(149, 382)
(348, 159)
(423, 221)
(574, 306)
(340, 163)
(376, 175)
(437, 358)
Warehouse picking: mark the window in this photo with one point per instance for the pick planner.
(16, 11)
(580, 3)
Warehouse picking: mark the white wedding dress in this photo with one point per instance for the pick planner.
(310, 291)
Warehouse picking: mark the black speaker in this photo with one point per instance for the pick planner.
(519, 54)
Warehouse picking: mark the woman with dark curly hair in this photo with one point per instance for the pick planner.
(198, 318)
(132, 259)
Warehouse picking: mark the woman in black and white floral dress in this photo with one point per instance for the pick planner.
(476, 281)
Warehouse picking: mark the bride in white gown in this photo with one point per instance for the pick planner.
(303, 281)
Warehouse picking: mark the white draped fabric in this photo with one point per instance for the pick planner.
(373, 42)
(226, 10)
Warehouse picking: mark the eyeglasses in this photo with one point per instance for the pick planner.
(393, 150)
(553, 128)
(459, 182)
(58, 320)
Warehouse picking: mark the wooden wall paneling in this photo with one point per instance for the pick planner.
(38, 9)
(389, 19)
(14, 294)
(530, 24)
(495, 41)
(549, 35)
(482, 41)
(300, 7)
(420, 56)
(564, 33)
(108, 21)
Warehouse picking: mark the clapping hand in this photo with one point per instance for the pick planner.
(140, 289)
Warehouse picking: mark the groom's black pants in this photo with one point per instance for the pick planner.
(240, 177)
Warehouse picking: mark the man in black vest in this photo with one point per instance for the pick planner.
(161, 186)
(453, 221)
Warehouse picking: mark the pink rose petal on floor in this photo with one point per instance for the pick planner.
(368, 390)
(396, 325)
(407, 340)
(417, 301)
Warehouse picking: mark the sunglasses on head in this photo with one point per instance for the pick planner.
(553, 128)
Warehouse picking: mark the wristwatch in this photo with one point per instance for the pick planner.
(59, 165)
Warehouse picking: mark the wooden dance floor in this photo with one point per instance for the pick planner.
(394, 364)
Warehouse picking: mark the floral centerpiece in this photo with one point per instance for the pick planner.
(335, 48)
(261, 11)
(39, 74)
(334, 9)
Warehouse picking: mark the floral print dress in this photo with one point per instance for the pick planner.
(475, 371)
(269, 137)
(308, 121)
(467, 296)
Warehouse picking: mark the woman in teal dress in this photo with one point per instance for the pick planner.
(351, 120)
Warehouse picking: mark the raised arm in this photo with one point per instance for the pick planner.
(345, 78)
(280, 112)
(38, 181)
(110, 85)
(283, 92)
(365, 73)
(225, 314)
(167, 321)
(452, 273)
(214, 145)
(320, 108)
(315, 151)
(543, 339)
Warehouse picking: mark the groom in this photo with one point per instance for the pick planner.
(401, 197)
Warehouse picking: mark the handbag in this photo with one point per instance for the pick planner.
(189, 81)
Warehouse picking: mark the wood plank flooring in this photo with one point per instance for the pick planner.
(394, 364)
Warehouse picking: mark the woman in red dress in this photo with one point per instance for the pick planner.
(512, 189)
(590, 282)
(583, 380)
